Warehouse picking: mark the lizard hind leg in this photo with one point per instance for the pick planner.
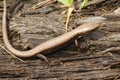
(28, 46)
(42, 57)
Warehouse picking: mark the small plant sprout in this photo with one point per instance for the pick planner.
(83, 4)
(69, 3)
(66, 2)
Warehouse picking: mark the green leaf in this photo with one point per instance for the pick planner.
(66, 2)
(83, 4)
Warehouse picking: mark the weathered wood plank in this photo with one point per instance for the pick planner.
(70, 63)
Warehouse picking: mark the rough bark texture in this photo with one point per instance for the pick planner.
(95, 58)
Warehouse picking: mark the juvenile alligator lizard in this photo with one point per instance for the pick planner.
(48, 46)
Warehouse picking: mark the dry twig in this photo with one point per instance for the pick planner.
(11, 53)
(109, 50)
(36, 6)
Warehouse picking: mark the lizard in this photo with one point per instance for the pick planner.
(47, 46)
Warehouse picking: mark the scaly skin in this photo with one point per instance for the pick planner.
(47, 46)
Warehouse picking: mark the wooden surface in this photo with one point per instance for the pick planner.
(85, 62)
